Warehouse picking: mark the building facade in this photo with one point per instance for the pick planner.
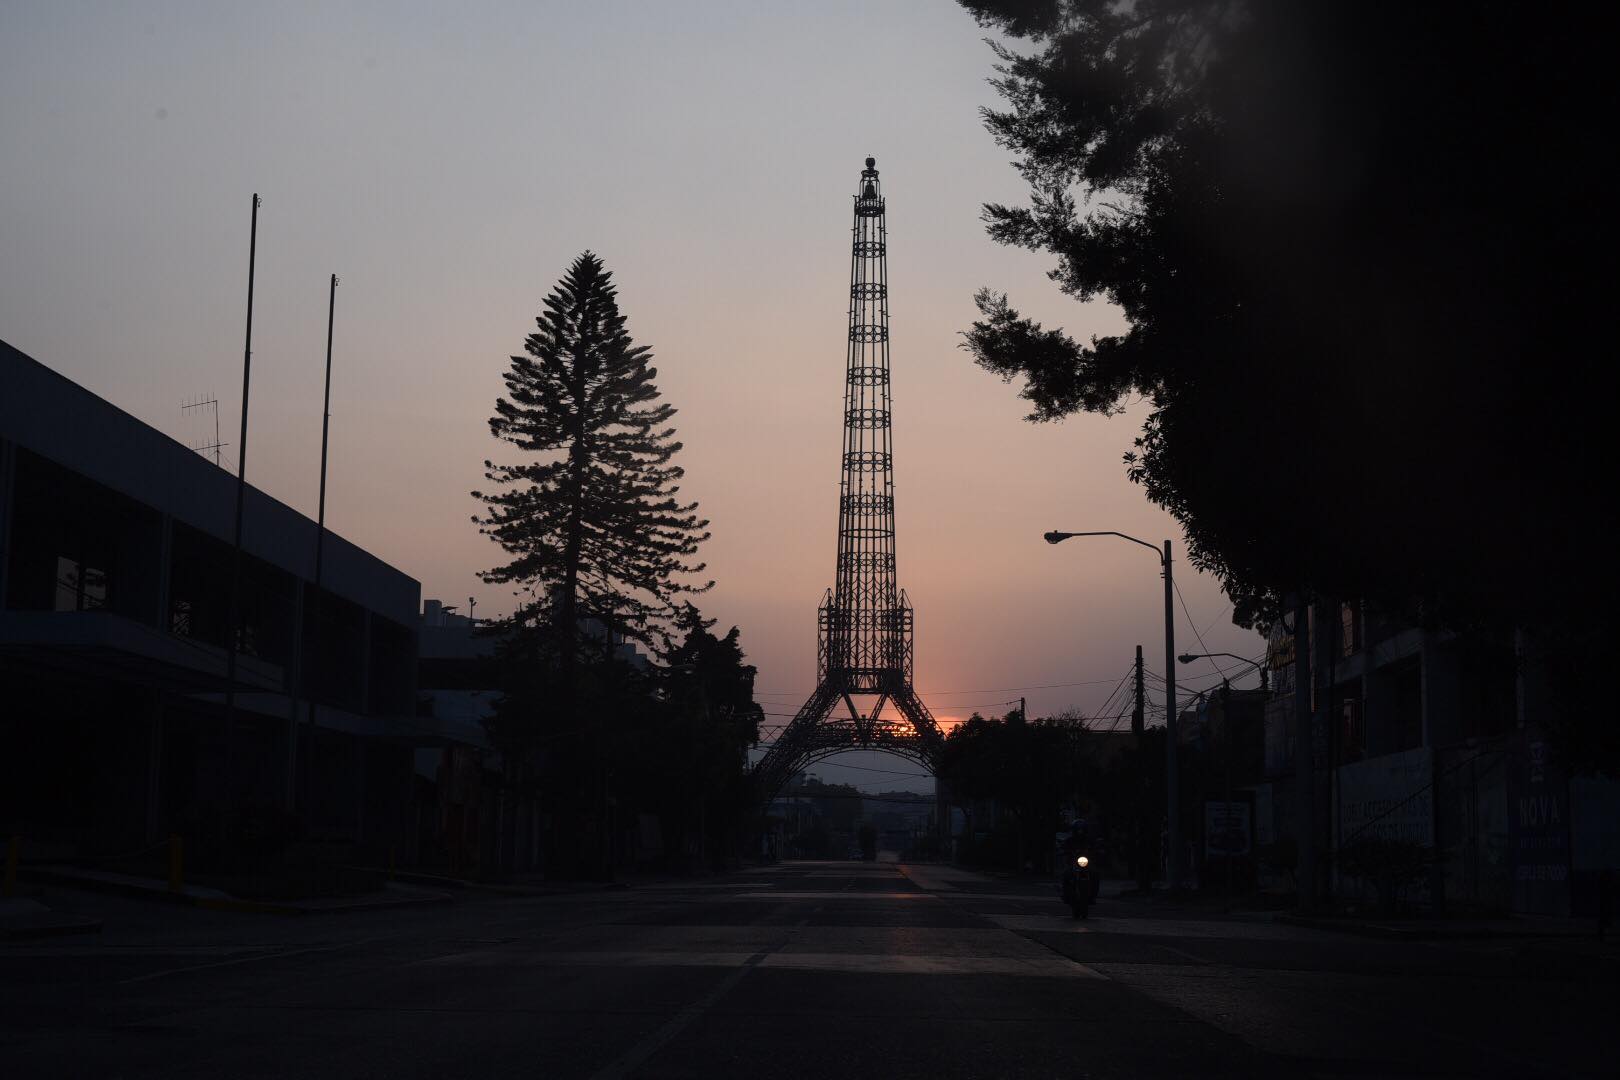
(116, 567)
(1434, 785)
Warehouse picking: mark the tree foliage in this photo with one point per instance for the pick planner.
(1031, 769)
(591, 512)
(1346, 241)
(689, 760)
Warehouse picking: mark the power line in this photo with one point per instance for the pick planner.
(1216, 619)
(1194, 626)
(984, 690)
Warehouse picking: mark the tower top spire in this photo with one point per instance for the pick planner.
(870, 199)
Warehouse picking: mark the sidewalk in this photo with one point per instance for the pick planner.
(1520, 927)
(391, 896)
(24, 918)
(539, 885)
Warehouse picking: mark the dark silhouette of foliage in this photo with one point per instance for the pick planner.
(602, 547)
(592, 515)
(1347, 242)
(1031, 769)
(687, 762)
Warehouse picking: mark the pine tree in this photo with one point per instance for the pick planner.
(592, 518)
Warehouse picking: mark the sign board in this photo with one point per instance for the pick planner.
(1538, 831)
(1388, 798)
(1226, 829)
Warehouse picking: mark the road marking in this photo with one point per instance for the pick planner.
(647, 1047)
(833, 896)
(681, 886)
(1037, 963)
(1184, 954)
(115, 951)
(1032, 898)
(245, 960)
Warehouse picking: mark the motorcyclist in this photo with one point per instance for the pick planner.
(1078, 842)
(1078, 883)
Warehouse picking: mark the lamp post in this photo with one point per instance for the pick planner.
(1173, 797)
(1226, 734)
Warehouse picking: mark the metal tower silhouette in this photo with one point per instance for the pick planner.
(865, 619)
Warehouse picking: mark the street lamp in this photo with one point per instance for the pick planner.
(1259, 665)
(1173, 797)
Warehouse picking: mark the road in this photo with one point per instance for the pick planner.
(801, 970)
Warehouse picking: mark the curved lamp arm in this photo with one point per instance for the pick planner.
(1055, 537)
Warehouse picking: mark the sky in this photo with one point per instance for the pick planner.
(449, 161)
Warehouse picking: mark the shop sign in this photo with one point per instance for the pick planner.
(1226, 829)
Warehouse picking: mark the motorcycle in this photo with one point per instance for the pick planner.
(1080, 884)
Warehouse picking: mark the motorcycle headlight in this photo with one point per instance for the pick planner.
(1082, 862)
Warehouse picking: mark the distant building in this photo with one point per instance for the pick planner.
(460, 775)
(907, 822)
(472, 823)
(115, 570)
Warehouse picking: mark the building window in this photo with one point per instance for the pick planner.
(180, 618)
(79, 587)
(1349, 628)
(1408, 725)
(1352, 731)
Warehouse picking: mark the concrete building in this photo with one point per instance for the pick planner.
(1430, 742)
(115, 570)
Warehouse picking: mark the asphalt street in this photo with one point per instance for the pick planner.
(800, 970)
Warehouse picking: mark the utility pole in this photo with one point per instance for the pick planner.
(1171, 782)
(1172, 794)
(1144, 861)
(1227, 733)
(1304, 754)
(1139, 710)
(320, 518)
(233, 604)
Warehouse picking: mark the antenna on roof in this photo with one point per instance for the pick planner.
(206, 408)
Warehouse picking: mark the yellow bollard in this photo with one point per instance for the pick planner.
(177, 864)
(13, 853)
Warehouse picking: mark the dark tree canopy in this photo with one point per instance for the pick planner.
(1347, 239)
(710, 690)
(1032, 768)
(590, 513)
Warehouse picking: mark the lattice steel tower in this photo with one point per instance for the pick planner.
(866, 620)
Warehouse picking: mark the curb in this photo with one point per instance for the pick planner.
(20, 933)
(466, 884)
(214, 900)
(1363, 928)
(25, 918)
(95, 884)
(567, 888)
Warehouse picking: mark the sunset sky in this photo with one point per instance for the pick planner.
(448, 161)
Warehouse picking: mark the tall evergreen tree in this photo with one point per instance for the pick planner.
(592, 515)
